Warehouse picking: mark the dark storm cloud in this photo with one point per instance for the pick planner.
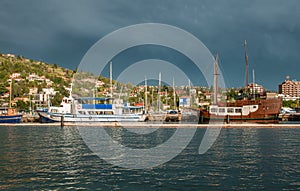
(62, 31)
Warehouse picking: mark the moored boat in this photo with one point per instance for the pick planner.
(11, 115)
(259, 111)
(91, 110)
(244, 110)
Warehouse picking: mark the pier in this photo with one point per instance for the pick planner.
(155, 125)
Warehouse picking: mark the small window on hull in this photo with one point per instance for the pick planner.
(238, 110)
(230, 110)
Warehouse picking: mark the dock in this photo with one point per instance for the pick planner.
(153, 125)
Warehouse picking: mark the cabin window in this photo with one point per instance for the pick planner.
(238, 110)
(108, 113)
(213, 110)
(230, 110)
(221, 110)
(254, 107)
(54, 111)
(172, 112)
(92, 112)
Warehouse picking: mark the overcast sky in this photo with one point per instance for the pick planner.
(61, 31)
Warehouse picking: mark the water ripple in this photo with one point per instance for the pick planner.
(53, 158)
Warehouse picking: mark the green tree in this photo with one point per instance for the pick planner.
(2, 89)
(289, 103)
(133, 100)
(40, 89)
(16, 90)
(231, 94)
(56, 100)
(22, 105)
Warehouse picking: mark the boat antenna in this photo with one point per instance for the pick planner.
(247, 65)
(215, 101)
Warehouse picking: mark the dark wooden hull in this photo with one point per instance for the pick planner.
(267, 112)
(229, 119)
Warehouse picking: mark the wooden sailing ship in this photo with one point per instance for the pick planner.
(244, 110)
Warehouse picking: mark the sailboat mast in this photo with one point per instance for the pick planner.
(146, 96)
(190, 92)
(110, 79)
(174, 94)
(10, 92)
(158, 96)
(247, 65)
(215, 101)
(71, 88)
(253, 88)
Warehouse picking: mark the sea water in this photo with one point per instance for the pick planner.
(55, 158)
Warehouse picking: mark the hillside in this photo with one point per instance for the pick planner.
(10, 64)
(37, 84)
(29, 78)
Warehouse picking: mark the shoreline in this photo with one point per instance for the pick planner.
(154, 125)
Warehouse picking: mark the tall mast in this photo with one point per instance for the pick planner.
(247, 65)
(174, 94)
(190, 92)
(253, 89)
(10, 92)
(71, 88)
(110, 79)
(146, 96)
(216, 81)
(166, 96)
(158, 96)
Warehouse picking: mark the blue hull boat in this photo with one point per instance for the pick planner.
(10, 118)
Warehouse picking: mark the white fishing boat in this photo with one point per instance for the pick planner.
(93, 109)
(90, 109)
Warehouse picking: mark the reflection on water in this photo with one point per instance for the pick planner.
(54, 158)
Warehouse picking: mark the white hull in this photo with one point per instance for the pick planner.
(77, 118)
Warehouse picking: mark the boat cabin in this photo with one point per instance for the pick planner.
(232, 111)
(133, 110)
